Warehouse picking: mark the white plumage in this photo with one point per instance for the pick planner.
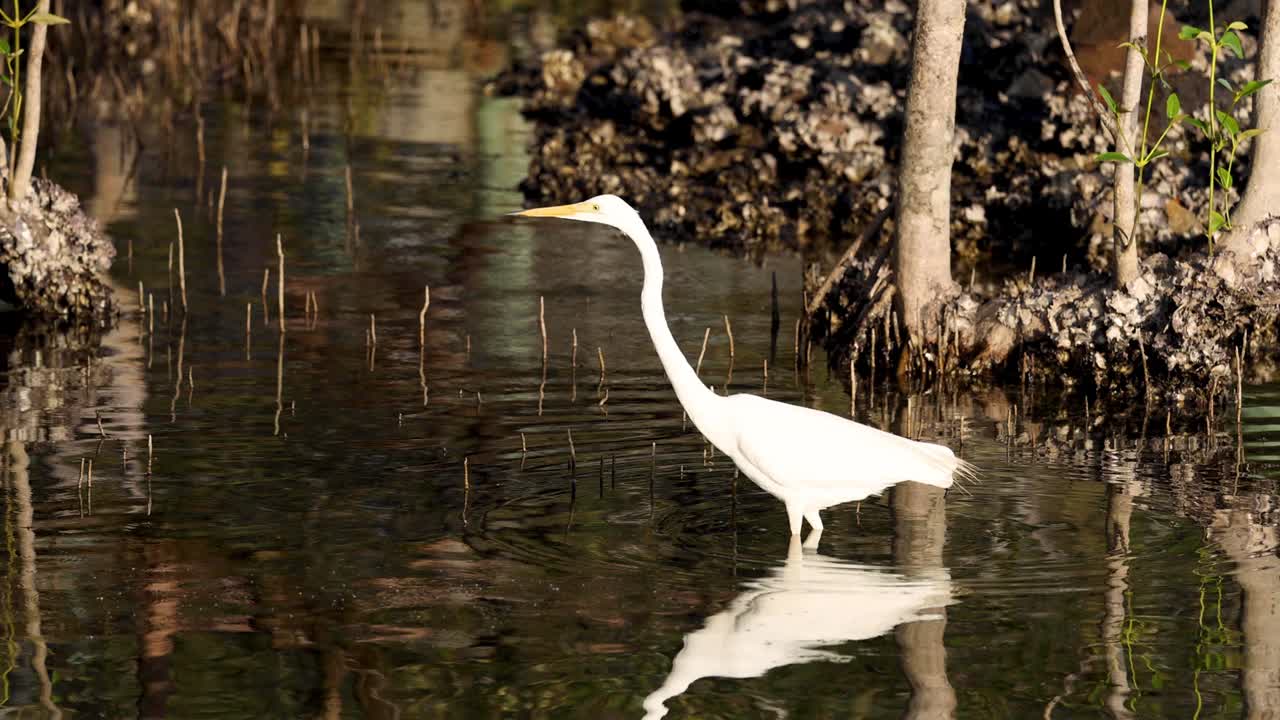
(808, 459)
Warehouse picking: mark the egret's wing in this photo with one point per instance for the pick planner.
(805, 448)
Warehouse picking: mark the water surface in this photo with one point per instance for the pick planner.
(341, 528)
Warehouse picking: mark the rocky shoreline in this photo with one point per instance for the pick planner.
(765, 127)
(55, 258)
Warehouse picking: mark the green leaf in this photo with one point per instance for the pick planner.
(1224, 178)
(1227, 122)
(1182, 64)
(1237, 25)
(1197, 123)
(1232, 41)
(1226, 84)
(1251, 132)
(1172, 106)
(1216, 221)
(4, 46)
(1113, 157)
(1156, 155)
(1111, 103)
(44, 18)
(1250, 88)
(1189, 32)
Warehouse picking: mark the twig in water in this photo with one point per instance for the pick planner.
(182, 267)
(600, 355)
(279, 384)
(705, 335)
(80, 482)
(853, 389)
(604, 399)
(280, 280)
(90, 476)
(1031, 276)
(422, 319)
(150, 454)
(524, 446)
(98, 417)
(1239, 385)
(373, 328)
(351, 198)
(542, 326)
(266, 278)
(1146, 377)
(222, 198)
(729, 330)
(573, 452)
(466, 474)
(573, 362)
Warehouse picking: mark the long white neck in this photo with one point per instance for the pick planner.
(699, 401)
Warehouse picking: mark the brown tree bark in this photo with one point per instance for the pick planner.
(1124, 261)
(1262, 194)
(922, 253)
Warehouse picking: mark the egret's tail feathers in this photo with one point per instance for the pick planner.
(947, 469)
(967, 471)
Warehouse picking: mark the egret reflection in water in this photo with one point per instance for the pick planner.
(796, 614)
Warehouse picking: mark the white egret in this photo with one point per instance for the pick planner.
(798, 613)
(808, 459)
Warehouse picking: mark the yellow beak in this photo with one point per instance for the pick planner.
(556, 210)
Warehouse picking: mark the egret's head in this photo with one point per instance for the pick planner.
(605, 209)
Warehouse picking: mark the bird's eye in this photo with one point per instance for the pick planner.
(595, 206)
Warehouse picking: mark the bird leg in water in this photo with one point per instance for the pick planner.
(815, 521)
(795, 517)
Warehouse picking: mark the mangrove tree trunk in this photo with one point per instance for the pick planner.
(26, 156)
(1124, 264)
(922, 253)
(1262, 195)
